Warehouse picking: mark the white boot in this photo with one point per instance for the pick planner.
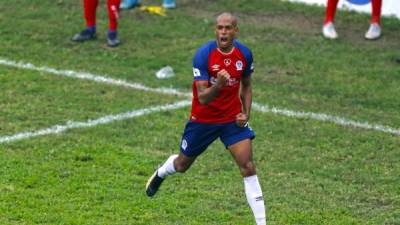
(374, 31)
(328, 30)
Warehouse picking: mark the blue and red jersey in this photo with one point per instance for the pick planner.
(207, 61)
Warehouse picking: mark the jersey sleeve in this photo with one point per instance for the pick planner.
(248, 55)
(200, 64)
(249, 65)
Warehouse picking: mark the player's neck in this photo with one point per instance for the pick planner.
(226, 50)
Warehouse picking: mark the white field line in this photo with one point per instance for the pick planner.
(91, 123)
(92, 77)
(326, 118)
(105, 79)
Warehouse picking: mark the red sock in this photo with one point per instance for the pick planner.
(113, 13)
(331, 6)
(89, 7)
(376, 11)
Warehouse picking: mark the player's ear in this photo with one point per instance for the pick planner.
(236, 32)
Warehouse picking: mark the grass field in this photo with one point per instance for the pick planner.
(311, 171)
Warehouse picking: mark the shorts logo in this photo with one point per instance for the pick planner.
(227, 62)
(196, 72)
(184, 144)
(239, 65)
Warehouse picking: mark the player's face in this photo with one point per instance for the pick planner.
(225, 31)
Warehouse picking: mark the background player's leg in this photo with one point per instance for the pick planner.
(376, 11)
(330, 12)
(113, 15)
(89, 7)
(374, 30)
(328, 29)
(89, 10)
(242, 153)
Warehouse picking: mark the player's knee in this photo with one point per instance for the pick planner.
(247, 169)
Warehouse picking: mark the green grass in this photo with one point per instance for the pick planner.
(311, 172)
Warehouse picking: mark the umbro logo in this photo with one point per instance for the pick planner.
(215, 67)
(184, 144)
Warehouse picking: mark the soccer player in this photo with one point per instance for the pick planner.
(222, 97)
(89, 33)
(374, 31)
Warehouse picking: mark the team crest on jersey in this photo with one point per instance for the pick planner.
(239, 65)
(227, 62)
(215, 67)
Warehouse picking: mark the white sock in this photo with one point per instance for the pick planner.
(255, 198)
(168, 167)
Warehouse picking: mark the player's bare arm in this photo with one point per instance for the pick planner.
(246, 98)
(207, 94)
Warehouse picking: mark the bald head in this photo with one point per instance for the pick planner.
(227, 16)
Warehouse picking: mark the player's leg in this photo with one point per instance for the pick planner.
(238, 141)
(113, 15)
(175, 163)
(89, 9)
(328, 29)
(195, 140)
(376, 11)
(242, 153)
(331, 6)
(374, 31)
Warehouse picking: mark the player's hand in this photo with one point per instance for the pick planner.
(222, 77)
(241, 119)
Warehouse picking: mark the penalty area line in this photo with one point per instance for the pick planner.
(326, 118)
(92, 77)
(56, 129)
